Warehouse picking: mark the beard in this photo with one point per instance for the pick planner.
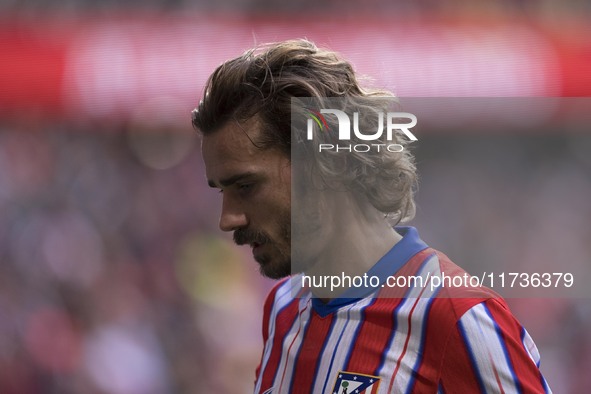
(275, 262)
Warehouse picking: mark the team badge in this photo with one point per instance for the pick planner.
(355, 383)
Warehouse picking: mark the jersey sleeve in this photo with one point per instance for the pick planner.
(490, 352)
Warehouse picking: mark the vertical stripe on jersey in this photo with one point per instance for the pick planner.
(421, 351)
(373, 337)
(530, 346)
(284, 312)
(502, 341)
(411, 318)
(534, 354)
(291, 345)
(427, 371)
(339, 343)
(305, 363)
(524, 358)
(487, 351)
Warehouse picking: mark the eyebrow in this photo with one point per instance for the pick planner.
(231, 180)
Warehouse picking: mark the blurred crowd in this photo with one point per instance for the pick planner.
(114, 278)
(411, 8)
(104, 242)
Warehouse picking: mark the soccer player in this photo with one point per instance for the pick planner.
(371, 339)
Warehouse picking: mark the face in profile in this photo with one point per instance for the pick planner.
(255, 185)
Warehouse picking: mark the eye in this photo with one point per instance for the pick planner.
(245, 187)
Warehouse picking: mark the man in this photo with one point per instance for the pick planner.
(373, 338)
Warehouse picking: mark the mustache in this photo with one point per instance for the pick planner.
(245, 236)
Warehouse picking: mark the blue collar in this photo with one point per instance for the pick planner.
(388, 265)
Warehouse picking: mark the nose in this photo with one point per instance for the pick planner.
(232, 216)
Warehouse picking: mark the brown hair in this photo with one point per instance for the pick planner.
(263, 81)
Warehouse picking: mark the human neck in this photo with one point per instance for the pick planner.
(360, 237)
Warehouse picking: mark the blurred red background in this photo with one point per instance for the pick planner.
(113, 275)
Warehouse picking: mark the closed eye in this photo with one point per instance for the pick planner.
(245, 187)
(240, 183)
(242, 189)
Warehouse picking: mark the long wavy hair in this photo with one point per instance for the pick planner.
(262, 82)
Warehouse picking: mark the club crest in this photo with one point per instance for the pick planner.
(355, 383)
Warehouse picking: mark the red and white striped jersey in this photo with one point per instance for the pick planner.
(445, 340)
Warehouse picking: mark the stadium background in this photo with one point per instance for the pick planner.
(113, 275)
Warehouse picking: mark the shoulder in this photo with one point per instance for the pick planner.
(286, 289)
(282, 293)
(274, 290)
(487, 341)
(462, 290)
(449, 294)
(490, 339)
(281, 302)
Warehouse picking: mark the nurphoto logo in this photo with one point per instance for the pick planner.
(395, 122)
